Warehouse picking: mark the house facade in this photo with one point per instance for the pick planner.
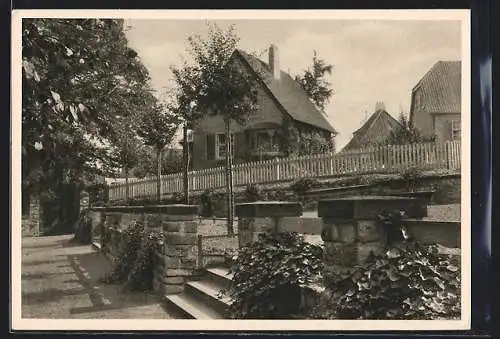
(436, 102)
(374, 131)
(282, 104)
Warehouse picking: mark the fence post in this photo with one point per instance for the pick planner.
(278, 177)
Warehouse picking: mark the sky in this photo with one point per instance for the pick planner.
(373, 60)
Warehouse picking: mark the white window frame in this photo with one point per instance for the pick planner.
(218, 144)
(455, 130)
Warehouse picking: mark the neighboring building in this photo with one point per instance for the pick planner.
(436, 102)
(374, 131)
(282, 102)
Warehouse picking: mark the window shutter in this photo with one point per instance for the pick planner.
(210, 146)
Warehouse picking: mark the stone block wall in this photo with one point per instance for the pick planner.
(31, 224)
(175, 261)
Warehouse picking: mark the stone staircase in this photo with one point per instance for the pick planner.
(200, 298)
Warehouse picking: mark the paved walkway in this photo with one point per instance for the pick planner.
(61, 280)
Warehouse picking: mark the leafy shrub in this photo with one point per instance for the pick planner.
(206, 199)
(409, 283)
(83, 233)
(254, 192)
(304, 184)
(134, 265)
(412, 176)
(230, 256)
(178, 197)
(268, 275)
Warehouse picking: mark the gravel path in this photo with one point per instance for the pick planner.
(61, 280)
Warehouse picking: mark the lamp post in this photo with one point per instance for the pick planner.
(185, 154)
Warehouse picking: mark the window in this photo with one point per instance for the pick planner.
(265, 141)
(455, 129)
(220, 146)
(216, 146)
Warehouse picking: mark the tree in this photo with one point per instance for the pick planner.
(77, 75)
(185, 105)
(406, 133)
(126, 151)
(314, 83)
(224, 89)
(157, 129)
(171, 162)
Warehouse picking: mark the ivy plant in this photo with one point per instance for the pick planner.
(268, 275)
(415, 282)
(134, 265)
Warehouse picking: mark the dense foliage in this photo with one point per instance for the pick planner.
(134, 265)
(254, 193)
(268, 275)
(216, 86)
(303, 185)
(406, 133)
(404, 283)
(314, 83)
(78, 74)
(79, 78)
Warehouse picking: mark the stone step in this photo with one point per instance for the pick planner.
(188, 307)
(208, 292)
(219, 275)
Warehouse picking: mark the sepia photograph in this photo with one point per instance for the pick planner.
(271, 169)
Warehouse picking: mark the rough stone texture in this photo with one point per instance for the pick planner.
(178, 238)
(172, 288)
(337, 253)
(249, 228)
(180, 247)
(368, 207)
(170, 280)
(171, 226)
(364, 250)
(445, 233)
(152, 221)
(269, 209)
(369, 230)
(31, 224)
(190, 227)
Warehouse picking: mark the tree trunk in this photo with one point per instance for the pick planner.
(158, 177)
(127, 191)
(229, 180)
(185, 160)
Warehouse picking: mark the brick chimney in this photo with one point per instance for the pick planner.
(379, 106)
(274, 63)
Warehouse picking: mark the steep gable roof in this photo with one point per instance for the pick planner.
(375, 129)
(440, 88)
(288, 94)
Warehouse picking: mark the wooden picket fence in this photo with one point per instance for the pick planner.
(383, 159)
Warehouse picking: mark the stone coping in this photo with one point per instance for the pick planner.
(369, 206)
(269, 209)
(175, 209)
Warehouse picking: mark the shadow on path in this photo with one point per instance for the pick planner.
(61, 280)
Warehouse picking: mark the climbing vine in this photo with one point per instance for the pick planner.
(268, 275)
(404, 283)
(134, 265)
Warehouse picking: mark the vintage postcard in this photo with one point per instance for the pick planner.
(241, 170)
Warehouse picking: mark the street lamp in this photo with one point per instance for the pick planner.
(185, 152)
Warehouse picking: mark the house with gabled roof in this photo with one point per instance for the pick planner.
(282, 102)
(374, 131)
(436, 101)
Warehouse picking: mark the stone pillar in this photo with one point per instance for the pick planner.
(179, 246)
(351, 231)
(259, 217)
